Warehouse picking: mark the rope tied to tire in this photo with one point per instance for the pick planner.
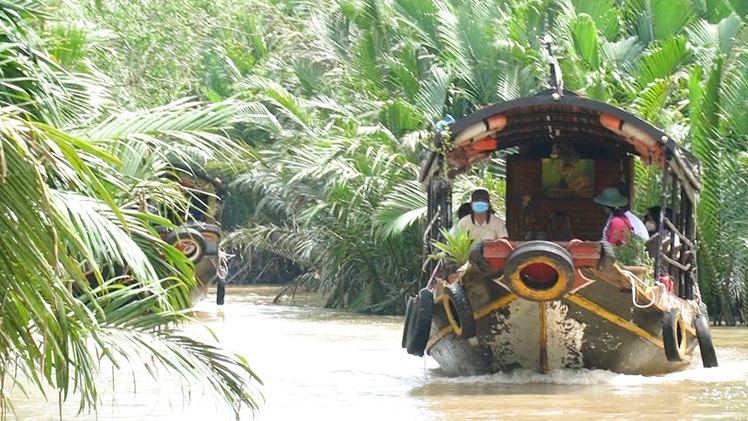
(634, 280)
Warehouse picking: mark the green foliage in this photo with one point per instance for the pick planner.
(634, 253)
(456, 249)
(75, 172)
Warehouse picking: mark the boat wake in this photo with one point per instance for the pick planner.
(733, 367)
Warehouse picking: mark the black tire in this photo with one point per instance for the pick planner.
(418, 336)
(607, 256)
(212, 247)
(476, 257)
(459, 311)
(214, 228)
(544, 253)
(220, 291)
(210, 231)
(674, 335)
(410, 309)
(704, 335)
(188, 237)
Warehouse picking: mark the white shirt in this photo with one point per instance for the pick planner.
(640, 230)
(493, 229)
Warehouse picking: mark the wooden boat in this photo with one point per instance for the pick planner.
(198, 239)
(527, 302)
(200, 242)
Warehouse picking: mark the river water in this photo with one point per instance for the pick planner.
(333, 365)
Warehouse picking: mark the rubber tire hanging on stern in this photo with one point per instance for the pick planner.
(418, 332)
(674, 335)
(410, 309)
(706, 346)
(459, 311)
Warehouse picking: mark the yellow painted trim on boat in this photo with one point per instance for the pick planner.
(451, 317)
(614, 318)
(485, 311)
(490, 308)
(543, 338)
(438, 337)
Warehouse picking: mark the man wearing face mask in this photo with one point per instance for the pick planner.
(482, 223)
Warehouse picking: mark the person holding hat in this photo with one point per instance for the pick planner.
(481, 223)
(618, 226)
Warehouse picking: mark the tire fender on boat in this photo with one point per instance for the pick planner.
(189, 241)
(212, 235)
(674, 335)
(459, 311)
(420, 327)
(706, 346)
(410, 309)
(539, 271)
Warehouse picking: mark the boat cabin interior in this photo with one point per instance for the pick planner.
(549, 196)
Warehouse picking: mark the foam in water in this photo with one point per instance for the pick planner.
(730, 370)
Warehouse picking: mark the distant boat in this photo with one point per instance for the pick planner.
(200, 242)
(526, 302)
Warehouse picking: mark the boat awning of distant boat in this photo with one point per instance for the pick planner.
(547, 117)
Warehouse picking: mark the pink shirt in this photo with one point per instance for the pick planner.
(618, 230)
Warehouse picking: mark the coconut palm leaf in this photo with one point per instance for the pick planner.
(605, 15)
(433, 94)
(404, 206)
(662, 61)
(277, 96)
(586, 44)
(657, 20)
(128, 323)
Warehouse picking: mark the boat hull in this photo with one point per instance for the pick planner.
(596, 327)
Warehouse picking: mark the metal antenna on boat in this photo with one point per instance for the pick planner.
(557, 81)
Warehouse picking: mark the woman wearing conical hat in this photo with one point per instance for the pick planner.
(618, 227)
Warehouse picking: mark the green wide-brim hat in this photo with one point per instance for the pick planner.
(612, 198)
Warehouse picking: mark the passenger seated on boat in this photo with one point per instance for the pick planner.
(618, 226)
(482, 223)
(638, 227)
(652, 222)
(559, 228)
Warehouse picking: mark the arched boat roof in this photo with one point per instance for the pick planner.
(549, 116)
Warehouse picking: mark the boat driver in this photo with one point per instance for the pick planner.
(482, 223)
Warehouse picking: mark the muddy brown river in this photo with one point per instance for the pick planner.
(331, 365)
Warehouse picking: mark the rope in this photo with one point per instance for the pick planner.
(223, 263)
(634, 279)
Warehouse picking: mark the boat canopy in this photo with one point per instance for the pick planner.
(550, 117)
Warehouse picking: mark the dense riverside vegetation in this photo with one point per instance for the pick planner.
(76, 169)
(344, 92)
